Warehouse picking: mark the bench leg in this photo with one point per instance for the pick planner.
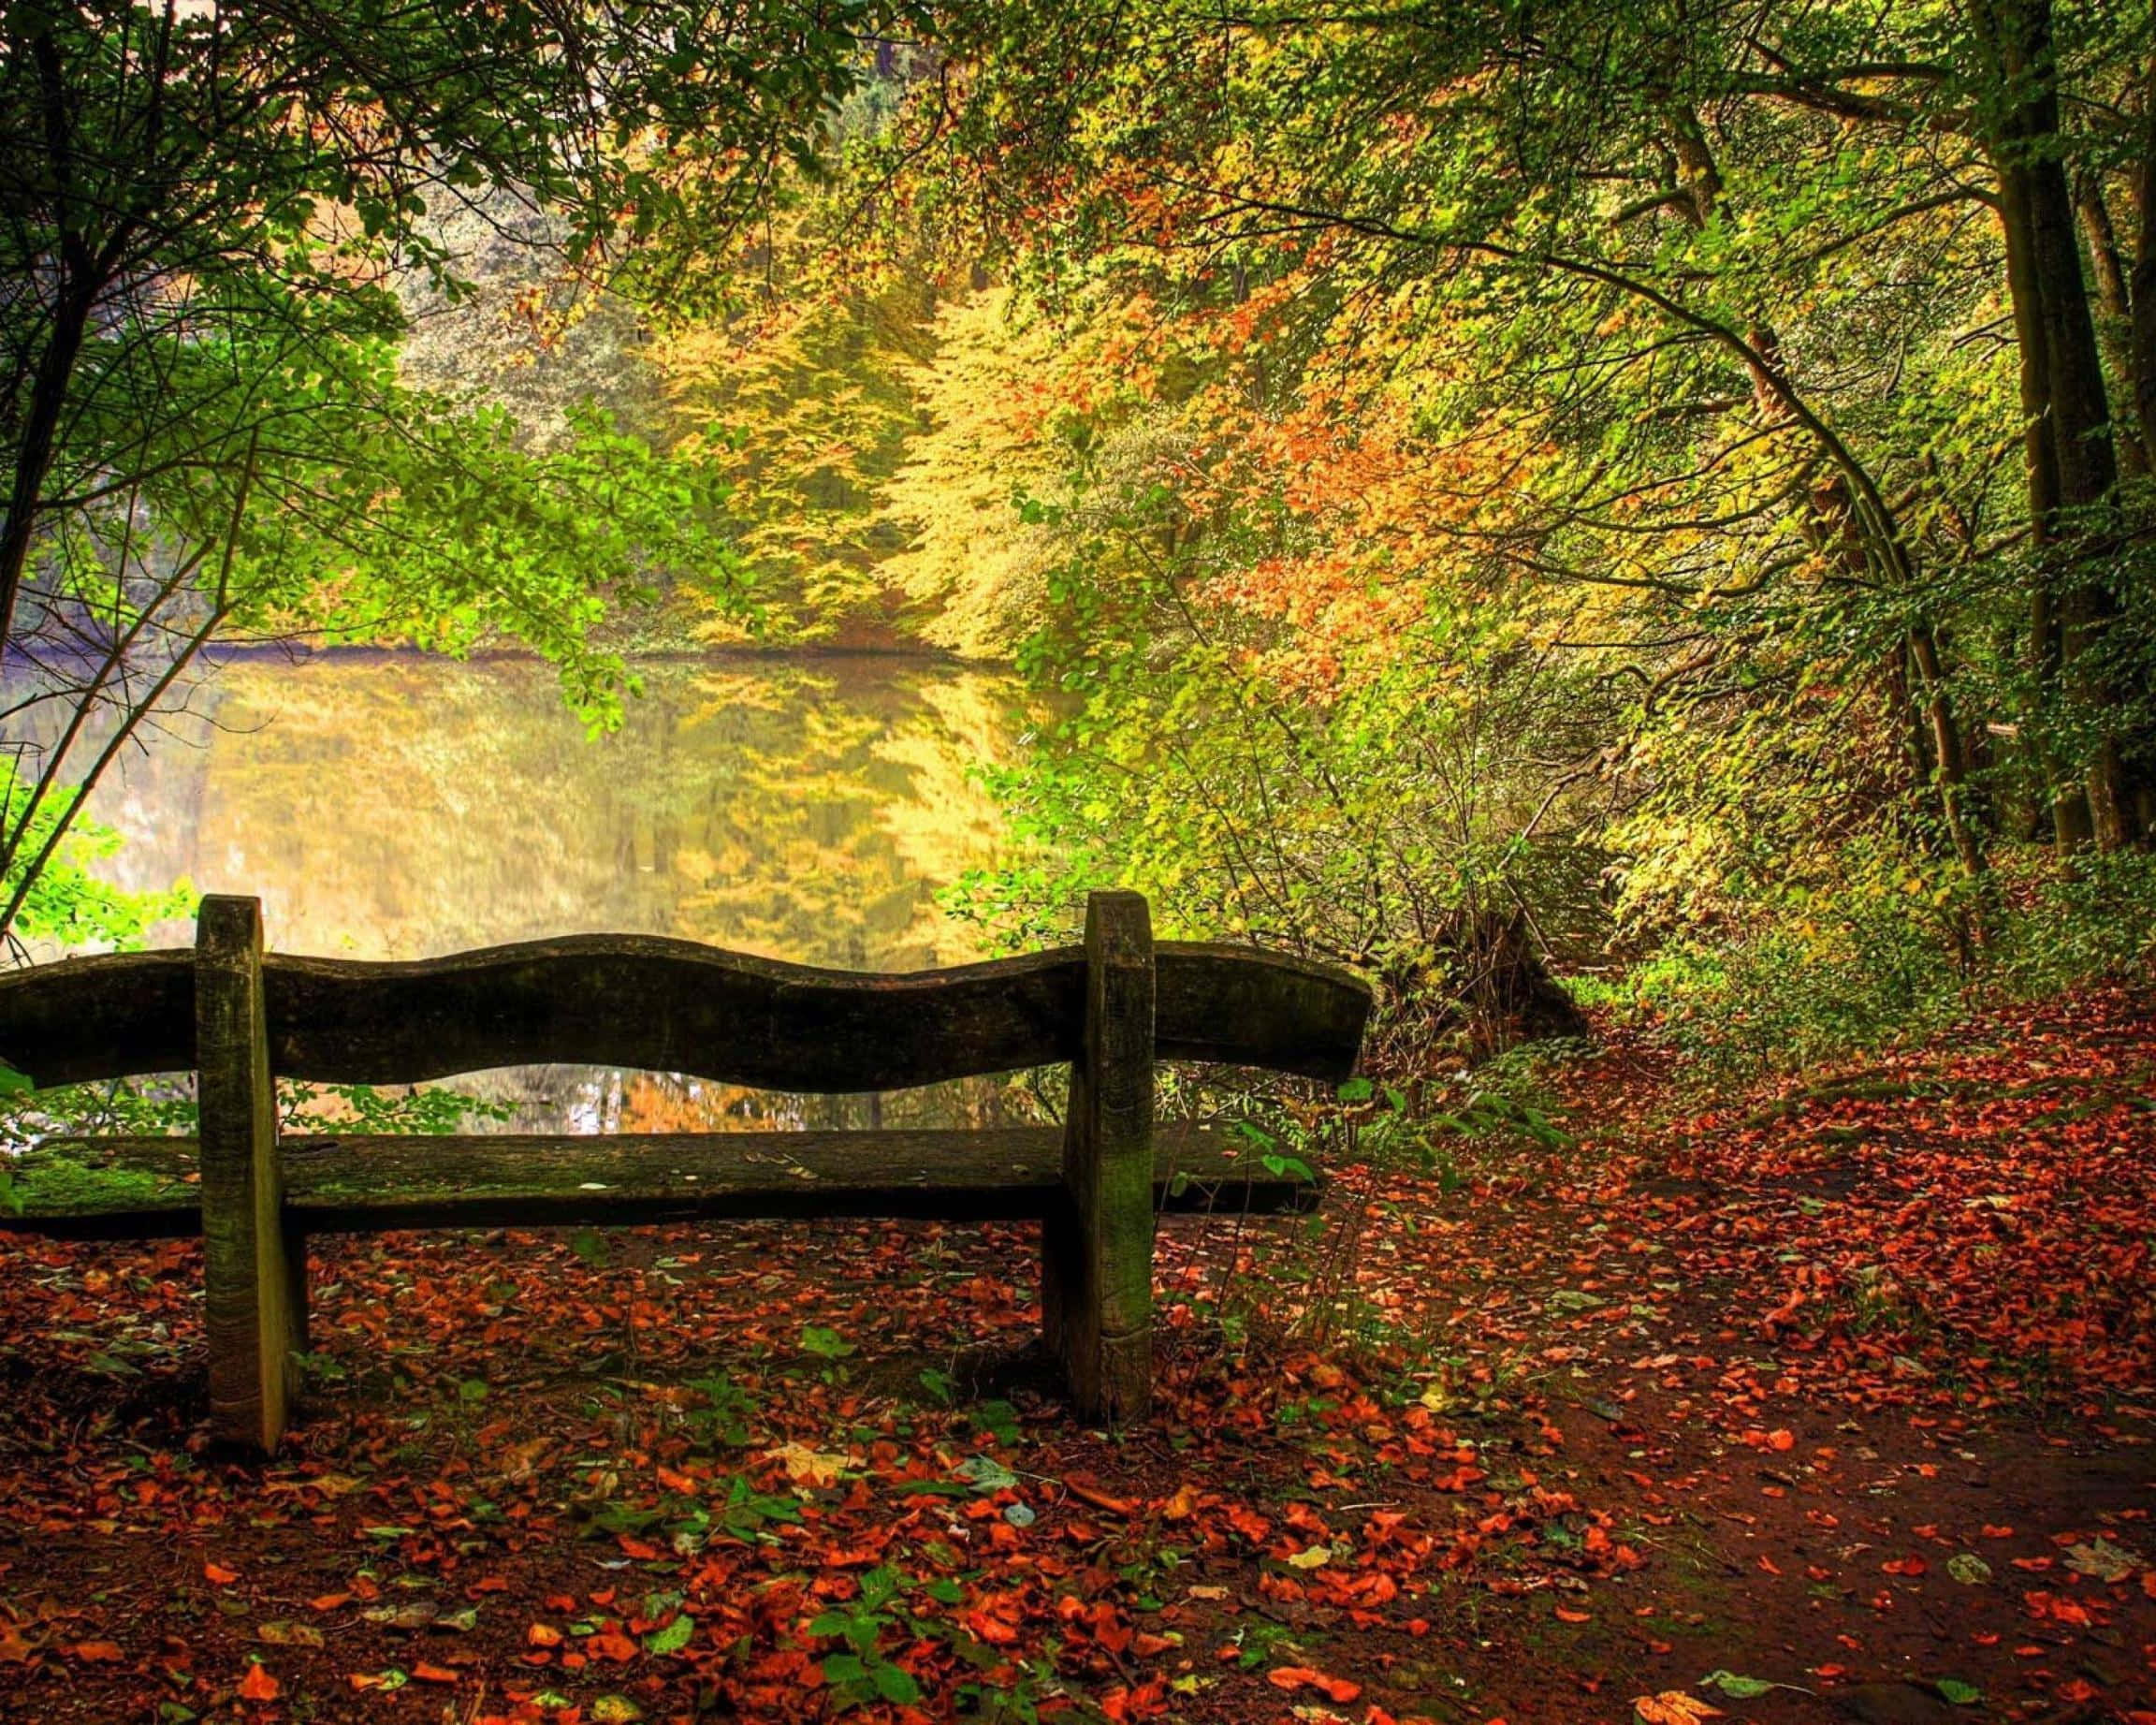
(249, 1282)
(1097, 1247)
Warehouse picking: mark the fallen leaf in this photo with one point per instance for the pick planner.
(808, 1467)
(2104, 1560)
(1294, 1677)
(1672, 1707)
(1738, 1688)
(258, 1685)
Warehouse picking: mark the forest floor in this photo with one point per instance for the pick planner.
(1843, 1387)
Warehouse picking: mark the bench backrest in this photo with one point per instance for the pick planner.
(636, 1000)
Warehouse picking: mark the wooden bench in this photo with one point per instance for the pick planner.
(1110, 1008)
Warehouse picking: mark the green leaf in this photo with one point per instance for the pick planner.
(673, 1637)
(1737, 1688)
(894, 1683)
(985, 1473)
(1961, 1694)
(825, 1344)
(843, 1668)
(877, 1585)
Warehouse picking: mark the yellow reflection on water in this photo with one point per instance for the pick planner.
(397, 806)
(389, 806)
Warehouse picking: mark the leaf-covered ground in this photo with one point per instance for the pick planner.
(1827, 1403)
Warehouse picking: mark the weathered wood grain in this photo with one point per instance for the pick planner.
(1096, 1253)
(675, 1006)
(248, 1284)
(89, 1020)
(148, 1187)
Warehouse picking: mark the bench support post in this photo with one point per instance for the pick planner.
(255, 1293)
(1097, 1246)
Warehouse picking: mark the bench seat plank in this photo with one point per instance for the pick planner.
(146, 1187)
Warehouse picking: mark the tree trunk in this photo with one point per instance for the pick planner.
(2071, 454)
(2117, 303)
(33, 453)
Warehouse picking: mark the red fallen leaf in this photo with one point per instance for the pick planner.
(1081, 1487)
(543, 1635)
(614, 1645)
(258, 1685)
(1148, 1701)
(218, 1574)
(95, 1652)
(1292, 1677)
(1903, 1566)
(328, 1602)
(432, 1674)
(1568, 1615)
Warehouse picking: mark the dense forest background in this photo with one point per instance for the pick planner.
(1662, 488)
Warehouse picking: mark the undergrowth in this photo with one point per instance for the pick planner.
(1815, 979)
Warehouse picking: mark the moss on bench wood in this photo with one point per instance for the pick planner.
(144, 1188)
(674, 1006)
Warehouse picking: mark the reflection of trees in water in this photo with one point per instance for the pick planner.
(844, 807)
(603, 1099)
(386, 806)
(397, 806)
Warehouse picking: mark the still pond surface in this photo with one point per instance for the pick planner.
(390, 806)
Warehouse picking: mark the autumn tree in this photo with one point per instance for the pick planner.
(213, 217)
(1749, 242)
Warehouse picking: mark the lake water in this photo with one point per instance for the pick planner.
(390, 806)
